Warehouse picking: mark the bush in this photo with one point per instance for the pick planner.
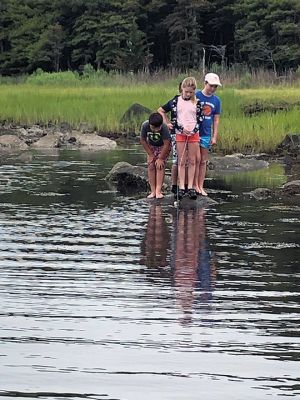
(53, 78)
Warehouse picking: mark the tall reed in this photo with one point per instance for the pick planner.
(102, 107)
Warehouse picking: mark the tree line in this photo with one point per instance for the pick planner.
(133, 35)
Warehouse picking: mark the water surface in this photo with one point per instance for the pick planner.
(103, 297)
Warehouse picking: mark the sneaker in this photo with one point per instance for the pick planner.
(180, 194)
(192, 194)
(174, 189)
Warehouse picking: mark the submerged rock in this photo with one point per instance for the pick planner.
(290, 191)
(291, 188)
(235, 163)
(185, 203)
(259, 194)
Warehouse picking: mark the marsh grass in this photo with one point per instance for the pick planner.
(103, 107)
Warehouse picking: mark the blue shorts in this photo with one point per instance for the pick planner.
(205, 141)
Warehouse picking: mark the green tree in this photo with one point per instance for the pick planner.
(85, 28)
(27, 21)
(268, 33)
(46, 53)
(185, 28)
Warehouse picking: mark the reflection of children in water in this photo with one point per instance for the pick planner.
(194, 270)
(154, 248)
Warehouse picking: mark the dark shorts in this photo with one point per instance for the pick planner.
(156, 151)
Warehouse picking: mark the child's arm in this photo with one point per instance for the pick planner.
(148, 150)
(144, 141)
(215, 129)
(166, 119)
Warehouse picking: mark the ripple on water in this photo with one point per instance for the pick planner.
(100, 301)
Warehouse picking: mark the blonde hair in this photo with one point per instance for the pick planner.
(190, 82)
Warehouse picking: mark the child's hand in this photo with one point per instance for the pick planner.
(159, 163)
(170, 126)
(186, 132)
(213, 141)
(150, 159)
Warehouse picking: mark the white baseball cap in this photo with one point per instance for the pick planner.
(212, 79)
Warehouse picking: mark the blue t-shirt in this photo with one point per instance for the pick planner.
(211, 107)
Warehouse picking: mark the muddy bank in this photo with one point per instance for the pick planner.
(261, 107)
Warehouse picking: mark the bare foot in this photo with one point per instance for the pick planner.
(159, 195)
(151, 196)
(203, 192)
(197, 189)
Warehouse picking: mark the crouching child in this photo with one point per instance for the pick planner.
(156, 140)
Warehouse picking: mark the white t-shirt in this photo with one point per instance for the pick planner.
(186, 113)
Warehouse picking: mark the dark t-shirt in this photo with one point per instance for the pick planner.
(155, 138)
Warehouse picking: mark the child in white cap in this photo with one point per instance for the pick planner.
(211, 109)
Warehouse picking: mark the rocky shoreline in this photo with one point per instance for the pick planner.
(17, 139)
(20, 138)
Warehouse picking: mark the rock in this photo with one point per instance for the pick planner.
(259, 193)
(291, 188)
(50, 141)
(31, 135)
(65, 127)
(236, 155)
(185, 203)
(9, 129)
(134, 113)
(127, 176)
(290, 145)
(89, 141)
(86, 127)
(259, 156)
(12, 142)
(232, 163)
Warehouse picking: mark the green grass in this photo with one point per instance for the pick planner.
(102, 107)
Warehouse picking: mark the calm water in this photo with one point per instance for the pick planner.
(102, 297)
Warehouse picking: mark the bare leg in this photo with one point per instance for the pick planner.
(193, 149)
(202, 170)
(151, 178)
(198, 159)
(160, 174)
(181, 149)
(174, 174)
